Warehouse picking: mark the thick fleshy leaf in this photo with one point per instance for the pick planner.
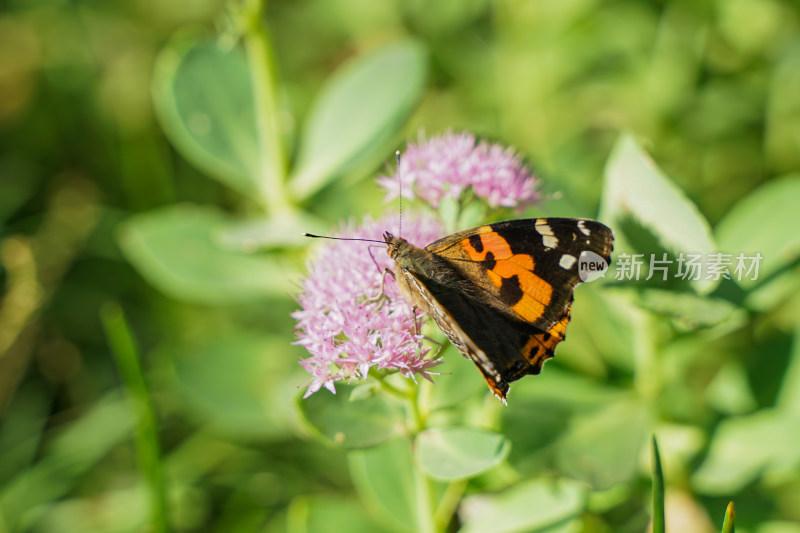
(348, 421)
(539, 506)
(320, 513)
(229, 380)
(361, 107)
(204, 100)
(275, 232)
(177, 250)
(758, 224)
(451, 453)
(746, 447)
(690, 310)
(602, 448)
(637, 192)
(384, 479)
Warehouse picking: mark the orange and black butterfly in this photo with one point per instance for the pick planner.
(502, 292)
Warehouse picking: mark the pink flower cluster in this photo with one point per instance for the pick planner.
(343, 326)
(450, 164)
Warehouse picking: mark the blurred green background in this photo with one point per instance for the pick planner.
(158, 160)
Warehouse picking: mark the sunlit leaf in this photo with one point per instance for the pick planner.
(350, 422)
(204, 101)
(177, 249)
(229, 380)
(690, 310)
(636, 190)
(360, 107)
(538, 506)
(283, 231)
(758, 225)
(745, 447)
(321, 513)
(384, 479)
(602, 448)
(451, 453)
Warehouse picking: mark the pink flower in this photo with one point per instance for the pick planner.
(341, 324)
(452, 163)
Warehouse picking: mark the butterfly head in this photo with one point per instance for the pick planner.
(394, 244)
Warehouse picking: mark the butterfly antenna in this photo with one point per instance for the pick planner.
(340, 238)
(400, 199)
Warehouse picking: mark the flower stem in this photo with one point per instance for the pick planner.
(273, 166)
(448, 504)
(426, 522)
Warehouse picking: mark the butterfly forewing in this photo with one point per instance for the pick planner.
(526, 269)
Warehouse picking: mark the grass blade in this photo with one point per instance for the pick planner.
(727, 524)
(659, 522)
(126, 356)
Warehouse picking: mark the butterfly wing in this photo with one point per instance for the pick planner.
(526, 269)
(501, 293)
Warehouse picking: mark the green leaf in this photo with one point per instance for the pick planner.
(539, 506)
(744, 448)
(789, 396)
(66, 460)
(452, 453)
(659, 523)
(237, 381)
(284, 231)
(636, 189)
(604, 331)
(361, 107)
(327, 513)
(458, 382)
(602, 448)
(758, 224)
(349, 422)
(177, 250)
(690, 310)
(204, 101)
(729, 391)
(384, 479)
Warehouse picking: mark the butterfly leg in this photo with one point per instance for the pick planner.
(416, 323)
(381, 294)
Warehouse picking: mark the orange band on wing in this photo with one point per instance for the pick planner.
(514, 271)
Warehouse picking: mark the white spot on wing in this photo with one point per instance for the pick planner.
(567, 261)
(583, 228)
(548, 237)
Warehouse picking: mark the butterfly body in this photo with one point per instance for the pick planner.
(501, 292)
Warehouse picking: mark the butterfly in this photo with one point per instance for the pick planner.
(502, 292)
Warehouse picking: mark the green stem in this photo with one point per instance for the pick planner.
(448, 504)
(425, 517)
(123, 347)
(262, 68)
